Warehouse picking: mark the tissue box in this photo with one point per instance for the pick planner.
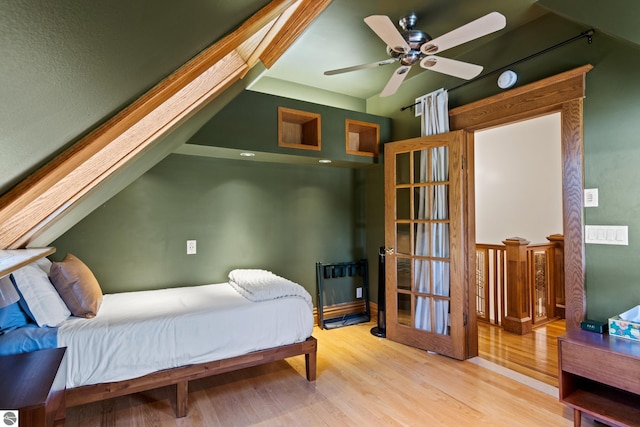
(626, 325)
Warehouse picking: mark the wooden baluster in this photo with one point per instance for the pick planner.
(558, 273)
(518, 316)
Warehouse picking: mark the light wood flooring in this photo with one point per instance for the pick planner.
(362, 381)
(534, 355)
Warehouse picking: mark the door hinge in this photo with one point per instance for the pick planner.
(464, 162)
(464, 319)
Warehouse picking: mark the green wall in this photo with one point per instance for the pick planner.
(612, 156)
(284, 218)
(250, 122)
(338, 213)
(611, 139)
(68, 66)
(277, 214)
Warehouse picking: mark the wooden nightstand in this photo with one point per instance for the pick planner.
(599, 376)
(34, 384)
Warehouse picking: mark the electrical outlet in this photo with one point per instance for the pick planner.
(191, 247)
(358, 292)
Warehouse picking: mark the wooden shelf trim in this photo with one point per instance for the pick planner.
(614, 406)
(13, 259)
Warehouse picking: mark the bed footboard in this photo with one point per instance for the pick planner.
(181, 376)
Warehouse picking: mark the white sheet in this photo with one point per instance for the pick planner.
(136, 333)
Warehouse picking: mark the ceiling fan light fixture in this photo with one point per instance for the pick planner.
(411, 57)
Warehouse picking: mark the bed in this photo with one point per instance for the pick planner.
(119, 344)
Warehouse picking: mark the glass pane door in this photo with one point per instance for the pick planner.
(425, 278)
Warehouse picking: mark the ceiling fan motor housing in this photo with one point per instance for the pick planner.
(415, 39)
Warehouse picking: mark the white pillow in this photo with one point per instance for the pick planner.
(44, 264)
(43, 301)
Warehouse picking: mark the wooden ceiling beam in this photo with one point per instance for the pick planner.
(299, 20)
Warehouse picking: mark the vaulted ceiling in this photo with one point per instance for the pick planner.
(340, 38)
(70, 66)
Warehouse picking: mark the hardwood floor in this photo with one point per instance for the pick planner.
(534, 355)
(362, 381)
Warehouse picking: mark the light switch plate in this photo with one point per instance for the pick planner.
(607, 234)
(591, 198)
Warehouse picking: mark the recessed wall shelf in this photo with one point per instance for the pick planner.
(298, 129)
(363, 139)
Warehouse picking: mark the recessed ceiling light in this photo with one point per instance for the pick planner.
(247, 154)
(324, 161)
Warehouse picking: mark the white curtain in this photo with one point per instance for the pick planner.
(434, 120)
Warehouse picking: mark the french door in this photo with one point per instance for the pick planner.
(427, 263)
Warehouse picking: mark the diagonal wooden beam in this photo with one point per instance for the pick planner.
(300, 19)
(33, 203)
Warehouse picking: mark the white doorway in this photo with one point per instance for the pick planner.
(518, 180)
(518, 193)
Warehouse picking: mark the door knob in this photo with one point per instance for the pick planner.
(389, 251)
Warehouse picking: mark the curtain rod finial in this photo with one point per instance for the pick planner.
(589, 35)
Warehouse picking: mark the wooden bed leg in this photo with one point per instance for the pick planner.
(310, 362)
(182, 393)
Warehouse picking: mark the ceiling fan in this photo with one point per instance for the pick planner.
(412, 46)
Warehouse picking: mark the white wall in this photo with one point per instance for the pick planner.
(518, 175)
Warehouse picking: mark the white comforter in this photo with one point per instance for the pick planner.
(136, 333)
(261, 285)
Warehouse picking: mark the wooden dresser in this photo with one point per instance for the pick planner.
(600, 376)
(33, 384)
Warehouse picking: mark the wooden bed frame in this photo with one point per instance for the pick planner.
(181, 376)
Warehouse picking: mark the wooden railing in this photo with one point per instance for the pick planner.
(519, 285)
(490, 282)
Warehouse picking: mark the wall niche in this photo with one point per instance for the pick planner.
(298, 129)
(363, 138)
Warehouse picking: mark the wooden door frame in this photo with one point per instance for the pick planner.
(561, 93)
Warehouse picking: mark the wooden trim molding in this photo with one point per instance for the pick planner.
(13, 259)
(31, 205)
(343, 309)
(299, 20)
(562, 93)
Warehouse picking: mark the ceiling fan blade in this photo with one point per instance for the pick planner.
(396, 80)
(384, 28)
(361, 67)
(487, 24)
(463, 70)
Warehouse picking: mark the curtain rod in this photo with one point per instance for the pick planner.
(589, 34)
